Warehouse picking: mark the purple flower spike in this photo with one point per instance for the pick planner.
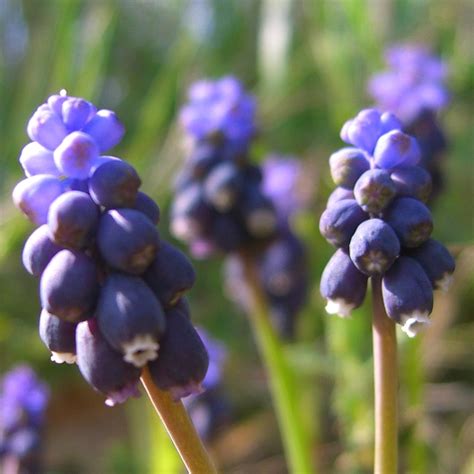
(396, 148)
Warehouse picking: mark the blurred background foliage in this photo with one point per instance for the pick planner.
(308, 62)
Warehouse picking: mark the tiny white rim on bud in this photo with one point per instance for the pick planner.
(339, 307)
(141, 349)
(61, 357)
(444, 283)
(414, 322)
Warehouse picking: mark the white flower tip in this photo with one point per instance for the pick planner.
(413, 323)
(63, 357)
(445, 282)
(141, 349)
(339, 307)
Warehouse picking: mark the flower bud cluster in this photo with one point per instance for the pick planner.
(413, 88)
(283, 263)
(218, 204)
(23, 401)
(378, 221)
(111, 289)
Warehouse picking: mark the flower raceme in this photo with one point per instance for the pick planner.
(378, 221)
(111, 289)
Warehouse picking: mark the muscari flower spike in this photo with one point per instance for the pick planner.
(378, 221)
(219, 205)
(108, 282)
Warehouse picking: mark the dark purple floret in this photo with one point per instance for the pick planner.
(59, 337)
(103, 367)
(131, 318)
(436, 261)
(222, 186)
(69, 286)
(412, 181)
(258, 213)
(170, 274)
(128, 240)
(183, 361)
(73, 219)
(38, 251)
(407, 295)
(374, 190)
(228, 232)
(114, 184)
(347, 165)
(339, 222)
(146, 205)
(342, 284)
(338, 195)
(374, 247)
(411, 220)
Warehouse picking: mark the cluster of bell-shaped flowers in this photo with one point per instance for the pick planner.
(218, 204)
(282, 265)
(413, 88)
(111, 289)
(378, 221)
(23, 402)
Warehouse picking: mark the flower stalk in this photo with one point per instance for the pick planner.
(282, 384)
(179, 427)
(386, 385)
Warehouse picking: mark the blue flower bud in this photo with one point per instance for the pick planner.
(35, 159)
(183, 360)
(342, 284)
(339, 222)
(146, 205)
(46, 128)
(203, 157)
(436, 261)
(338, 195)
(390, 122)
(407, 295)
(411, 220)
(396, 148)
(374, 191)
(228, 233)
(222, 186)
(170, 274)
(412, 181)
(38, 251)
(131, 318)
(55, 102)
(59, 337)
(76, 112)
(75, 155)
(347, 165)
(34, 195)
(105, 128)
(374, 247)
(102, 367)
(258, 213)
(364, 130)
(73, 219)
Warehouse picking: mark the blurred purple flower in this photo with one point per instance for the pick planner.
(281, 177)
(23, 399)
(219, 107)
(217, 356)
(413, 83)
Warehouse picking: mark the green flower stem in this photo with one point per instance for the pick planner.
(282, 383)
(386, 385)
(179, 427)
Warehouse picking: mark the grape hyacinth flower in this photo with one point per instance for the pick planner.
(111, 289)
(381, 227)
(221, 207)
(413, 88)
(379, 219)
(23, 402)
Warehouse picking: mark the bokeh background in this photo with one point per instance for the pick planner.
(307, 62)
